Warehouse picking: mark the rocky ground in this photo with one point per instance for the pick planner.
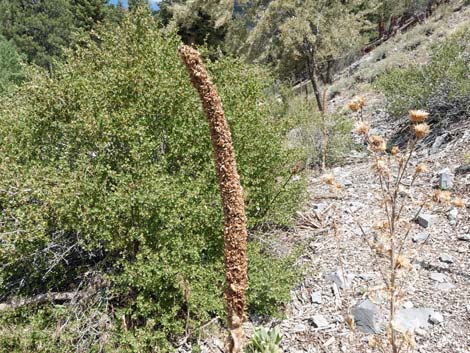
(343, 280)
(437, 290)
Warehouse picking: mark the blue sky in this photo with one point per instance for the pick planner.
(153, 3)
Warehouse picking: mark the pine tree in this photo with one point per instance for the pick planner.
(39, 29)
(11, 71)
(134, 4)
(305, 35)
(88, 13)
(199, 21)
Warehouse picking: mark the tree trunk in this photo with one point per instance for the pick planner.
(381, 26)
(329, 71)
(235, 234)
(311, 75)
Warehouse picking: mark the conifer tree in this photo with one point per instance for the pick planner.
(11, 71)
(39, 29)
(305, 34)
(88, 13)
(199, 21)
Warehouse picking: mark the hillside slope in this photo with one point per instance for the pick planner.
(330, 225)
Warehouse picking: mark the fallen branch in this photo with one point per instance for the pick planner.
(44, 298)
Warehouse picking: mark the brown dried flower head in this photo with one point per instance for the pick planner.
(421, 168)
(377, 143)
(402, 262)
(418, 116)
(357, 103)
(442, 197)
(329, 179)
(362, 128)
(458, 202)
(353, 105)
(382, 225)
(421, 130)
(394, 150)
(380, 166)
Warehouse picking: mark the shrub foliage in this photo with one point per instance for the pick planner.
(440, 86)
(106, 169)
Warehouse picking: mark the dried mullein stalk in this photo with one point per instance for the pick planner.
(235, 234)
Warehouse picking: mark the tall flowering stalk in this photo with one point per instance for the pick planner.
(233, 203)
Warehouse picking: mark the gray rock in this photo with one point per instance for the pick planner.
(420, 237)
(438, 277)
(339, 319)
(367, 276)
(425, 220)
(436, 318)
(453, 213)
(464, 237)
(446, 179)
(438, 143)
(367, 317)
(414, 318)
(319, 321)
(445, 286)
(316, 297)
(420, 332)
(408, 305)
(320, 207)
(342, 281)
(446, 258)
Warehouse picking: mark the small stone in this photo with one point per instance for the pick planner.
(453, 213)
(425, 220)
(446, 258)
(412, 319)
(342, 281)
(436, 318)
(420, 332)
(468, 308)
(446, 179)
(339, 319)
(438, 277)
(408, 305)
(464, 237)
(438, 143)
(319, 321)
(316, 297)
(320, 207)
(367, 276)
(367, 317)
(445, 286)
(420, 237)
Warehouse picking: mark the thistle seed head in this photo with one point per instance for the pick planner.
(421, 130)
(418, 116)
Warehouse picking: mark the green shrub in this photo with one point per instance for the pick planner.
(107, 169)
(308, 131)
(441, 86)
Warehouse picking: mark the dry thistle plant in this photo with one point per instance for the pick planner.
(356, 105)
(388, 240)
